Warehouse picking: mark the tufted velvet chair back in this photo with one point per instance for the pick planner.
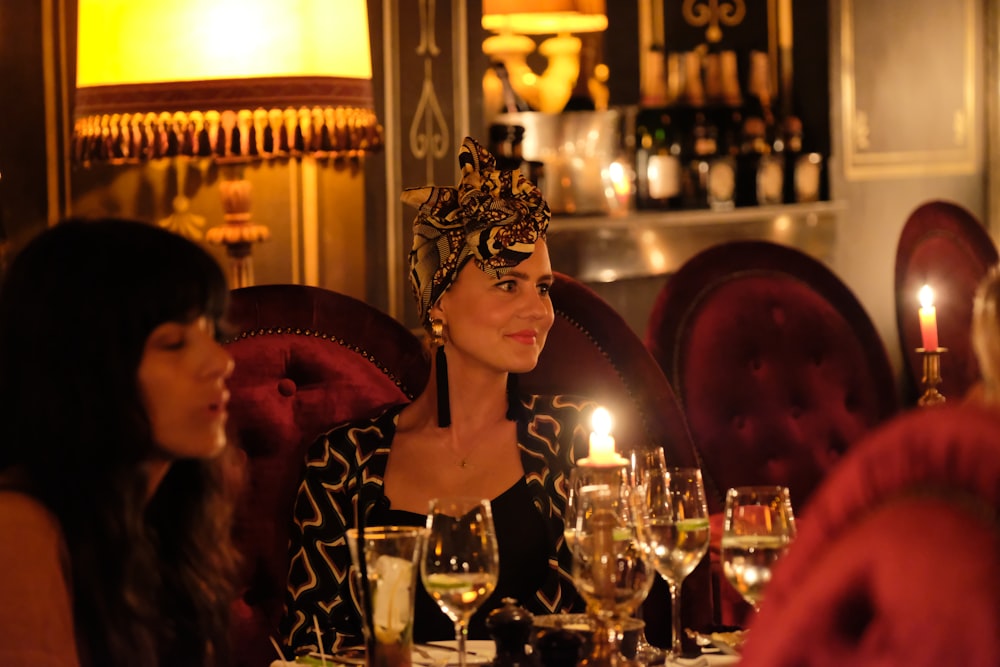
(942, 245)
(306, 359)
(778, 368)
(897, 554)
(776, 363)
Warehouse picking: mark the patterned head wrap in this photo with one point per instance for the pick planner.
(493, 217)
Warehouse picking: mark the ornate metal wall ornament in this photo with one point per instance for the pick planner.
(712, 13)
(862, 131)
(429, 130)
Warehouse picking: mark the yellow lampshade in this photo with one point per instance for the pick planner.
(229, 78)
(540, 17)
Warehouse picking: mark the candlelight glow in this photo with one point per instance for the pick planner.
(926, 296)
(601, 421)
(602, 445)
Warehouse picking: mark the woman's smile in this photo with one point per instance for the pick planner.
(525, 336)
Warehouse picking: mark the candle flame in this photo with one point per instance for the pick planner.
(926, 296)
(601, 421)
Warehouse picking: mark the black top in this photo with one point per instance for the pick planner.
(521, 571)
(344, 479)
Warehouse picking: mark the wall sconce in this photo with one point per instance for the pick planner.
(232, 81)
(512, 20)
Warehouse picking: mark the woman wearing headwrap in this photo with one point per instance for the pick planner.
(481, 275)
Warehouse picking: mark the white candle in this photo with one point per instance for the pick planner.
(602, 445)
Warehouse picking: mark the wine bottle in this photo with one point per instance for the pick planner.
(759, 173)
(722, 167)
(512, 102)
(804, 171)
(505, 144)
(703, 150)
(658, 160)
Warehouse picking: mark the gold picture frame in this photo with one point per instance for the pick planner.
(925, 132)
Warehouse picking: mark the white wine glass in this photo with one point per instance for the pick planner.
(758, 527)
(676, 530)
(578, 479)
(460, 562)
(612, 570)
(641, 464)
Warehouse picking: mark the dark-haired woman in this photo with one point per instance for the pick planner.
(115, 478)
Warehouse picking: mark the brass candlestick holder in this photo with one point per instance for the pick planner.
(932, 376)
(603, 606)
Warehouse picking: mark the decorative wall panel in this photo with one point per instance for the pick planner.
(909, 107)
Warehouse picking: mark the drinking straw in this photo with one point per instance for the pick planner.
(319, 639)
(277, 649)
(366, 604)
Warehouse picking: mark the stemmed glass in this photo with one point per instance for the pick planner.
(641, 463)
(676, 531)
(460, 563)
(759, 526)
(612, 570)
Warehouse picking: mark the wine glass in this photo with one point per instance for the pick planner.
(641, 463)
(759, 526)
(676, 531)
(460, 563)
(612, 570)
(578, 478)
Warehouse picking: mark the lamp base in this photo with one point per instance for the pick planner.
(238, 233)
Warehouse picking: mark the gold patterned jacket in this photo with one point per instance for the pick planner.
(345, 470)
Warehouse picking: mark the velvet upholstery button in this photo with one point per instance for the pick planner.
(286, 387)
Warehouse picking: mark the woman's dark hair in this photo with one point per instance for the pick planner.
(151, 580)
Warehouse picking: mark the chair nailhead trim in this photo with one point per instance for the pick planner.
(268, 331)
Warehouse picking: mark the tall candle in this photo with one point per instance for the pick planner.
(928, 318)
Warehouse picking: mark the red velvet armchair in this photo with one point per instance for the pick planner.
(306, 360)
(777, 365)
(942, 245)
(897, 557)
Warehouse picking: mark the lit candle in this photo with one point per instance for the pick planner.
(928, 318)
(602, 445)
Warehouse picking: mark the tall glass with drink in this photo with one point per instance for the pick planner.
(389, 555)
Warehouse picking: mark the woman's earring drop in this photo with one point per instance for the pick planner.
(441, 374)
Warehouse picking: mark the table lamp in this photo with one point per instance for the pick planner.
(512, 20)
(232, 81)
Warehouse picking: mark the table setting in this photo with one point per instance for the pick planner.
(627, 521)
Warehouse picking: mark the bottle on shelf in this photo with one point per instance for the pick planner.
(703, 149)
(722, 168)
(512, 102)
(759, 172)
(804, 171)
(723, 99)
(505, 144)
(658, 160)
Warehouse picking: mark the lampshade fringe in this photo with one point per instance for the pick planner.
(338, 132)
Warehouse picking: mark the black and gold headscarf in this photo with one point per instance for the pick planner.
(492, 217)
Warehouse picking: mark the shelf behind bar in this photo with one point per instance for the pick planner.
(601, 249)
